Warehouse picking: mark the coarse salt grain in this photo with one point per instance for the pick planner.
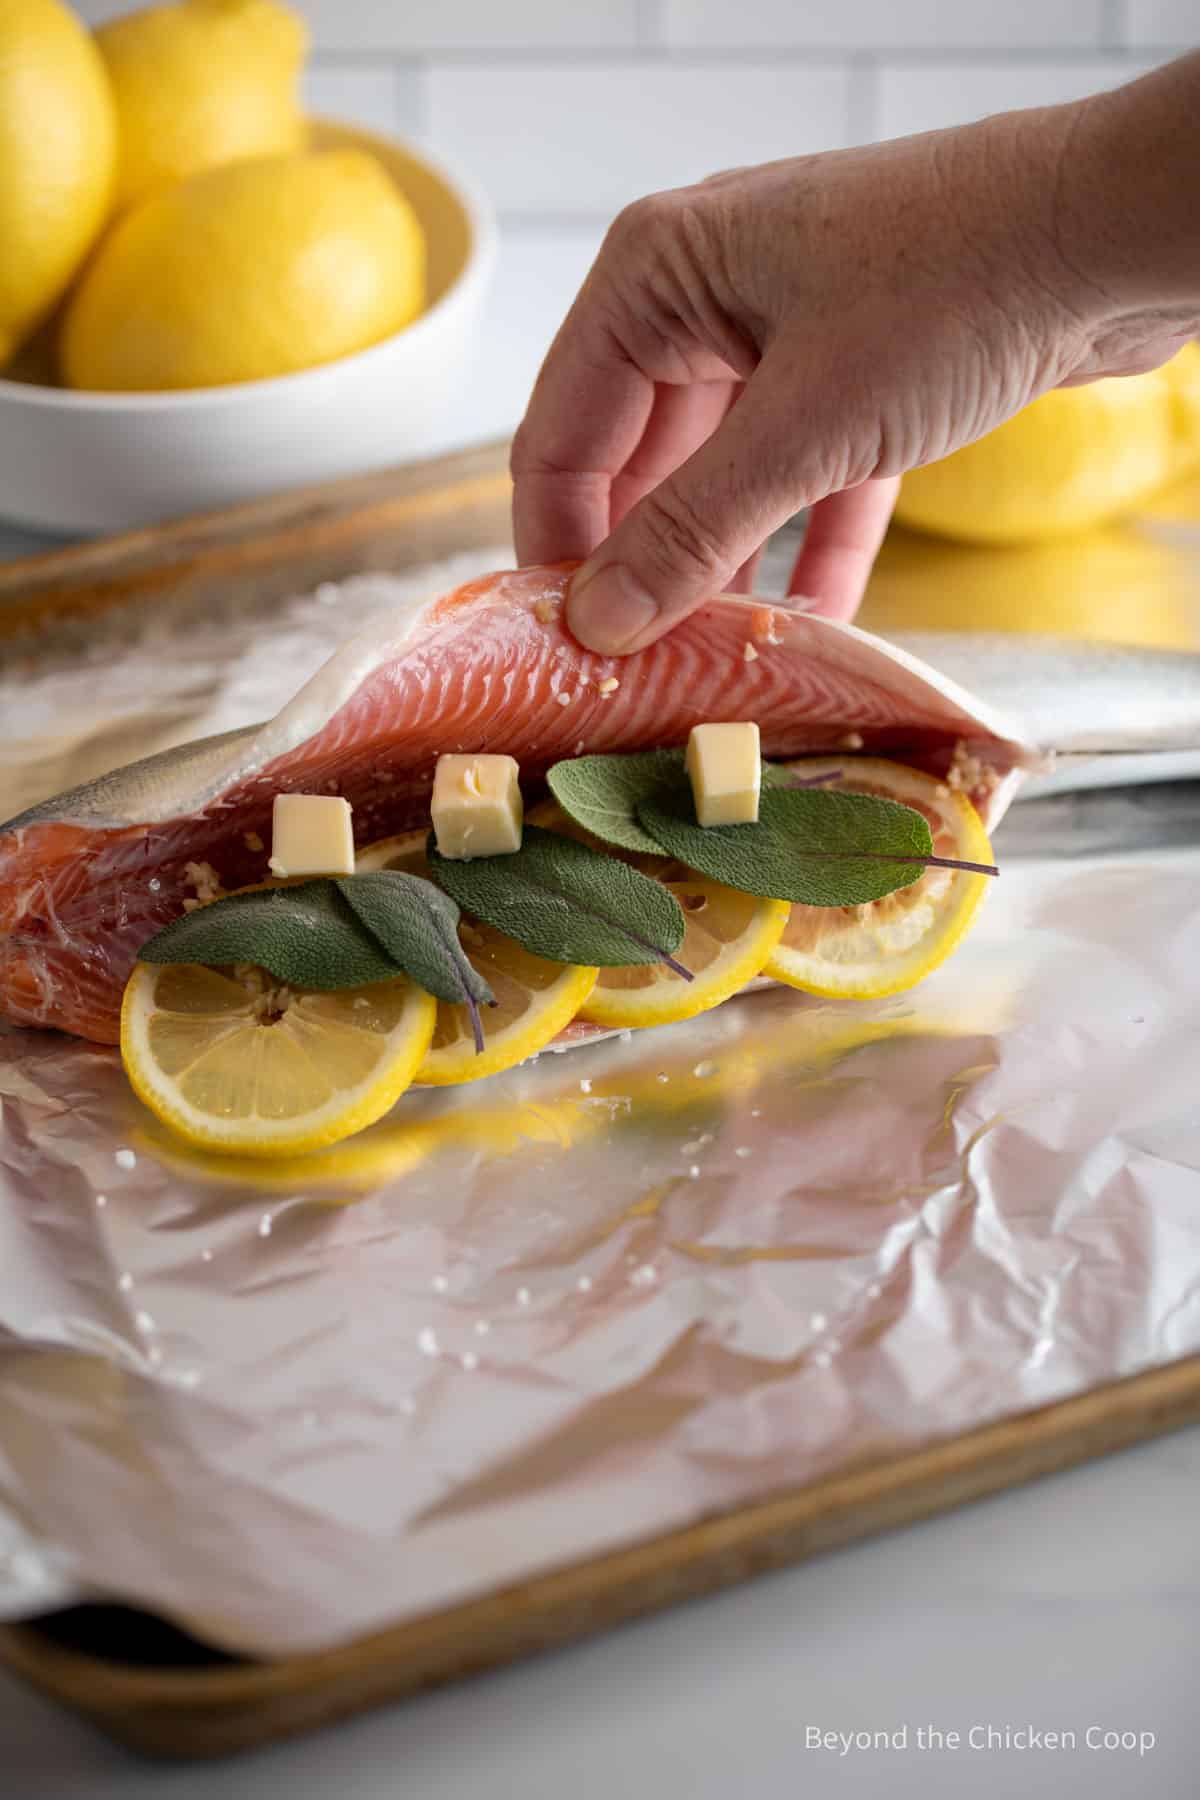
(204, 878)
(609, 685)
(749, 653)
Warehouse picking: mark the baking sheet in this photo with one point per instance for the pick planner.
(512, 1327)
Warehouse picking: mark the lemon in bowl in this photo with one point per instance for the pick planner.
(253, 268)
(57, 159)
(201, 82)
(85, 460)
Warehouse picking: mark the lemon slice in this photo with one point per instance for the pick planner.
(406, 853)
(865, 952)
(535, 998)
(728, 940)
(235, 1062)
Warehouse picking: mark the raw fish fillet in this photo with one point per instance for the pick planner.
(85, 879)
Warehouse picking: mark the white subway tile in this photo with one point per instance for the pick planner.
(415, 25)
(586, 139)
(540, 271)
(381, 98)
(924, 97)
(418, 25)
(1162, 22)
(892, 24)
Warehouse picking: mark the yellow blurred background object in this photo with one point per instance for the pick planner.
(200, 83)
(57, 155)
(254, 269)
(1072, 459)
(1118, 584)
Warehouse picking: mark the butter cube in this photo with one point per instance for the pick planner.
(477, 808)
(724, 765)
(311, 835)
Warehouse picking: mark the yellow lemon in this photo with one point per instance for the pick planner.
(199, 83)
(535, 999)
(237, 1062)
(865, 952)
(253, 269)
(57, 153)
(1115, 583)
(1069, 460)
(728, 940)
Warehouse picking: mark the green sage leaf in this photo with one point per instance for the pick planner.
(417, 925)
(601, 793)
(567, 902)
(305, 935)
(811, 846)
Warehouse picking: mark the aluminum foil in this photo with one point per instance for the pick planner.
(517, 1325)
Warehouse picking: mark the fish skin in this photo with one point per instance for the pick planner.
(87, 878)
(1074, 697)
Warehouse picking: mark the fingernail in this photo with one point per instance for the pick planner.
(608, 609)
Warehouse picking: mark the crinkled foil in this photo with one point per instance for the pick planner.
(522, 1323)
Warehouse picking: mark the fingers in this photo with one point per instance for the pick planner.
(683, 418)
(626, 391)
(687, 539)
(742, 580)
(840, 546)
(588, 413)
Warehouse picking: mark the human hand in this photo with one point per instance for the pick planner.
(801, 333)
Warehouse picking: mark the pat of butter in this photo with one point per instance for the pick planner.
(476, 806)
(311, 835)
(725, 767)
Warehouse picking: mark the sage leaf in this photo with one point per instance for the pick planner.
(601, 793)
(417, 925)
(811, 846)
(305, 935)
(567, 902)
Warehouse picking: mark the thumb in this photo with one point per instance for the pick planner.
(685, 541)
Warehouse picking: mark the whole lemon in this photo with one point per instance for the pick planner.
(253, 269)
(200, 83)
(1070, 460)
(57, 151)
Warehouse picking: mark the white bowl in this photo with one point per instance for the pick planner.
(92, 462)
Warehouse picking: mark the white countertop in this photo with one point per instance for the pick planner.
(1072, 1606)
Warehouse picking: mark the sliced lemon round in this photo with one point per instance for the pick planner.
(728, 940)
(865, 952)
(535, 998)
(406, 853)
(237, 1062)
